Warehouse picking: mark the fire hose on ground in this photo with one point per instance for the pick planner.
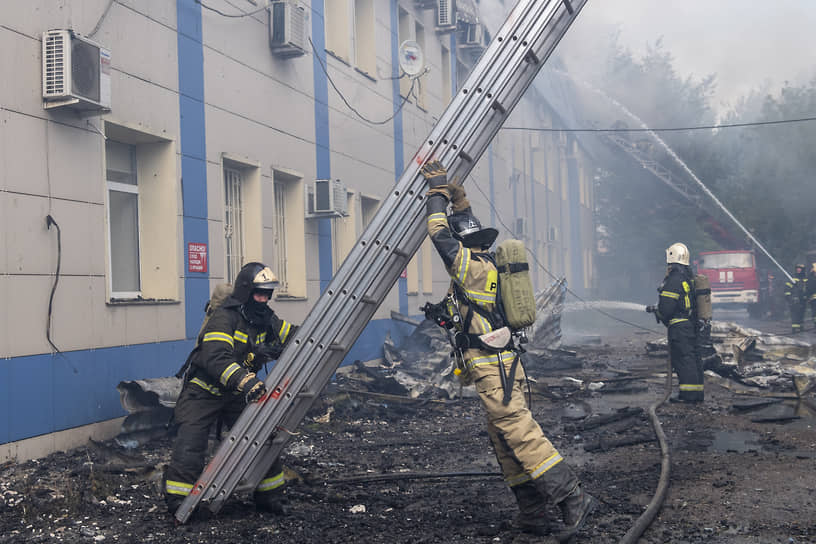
(646, 518)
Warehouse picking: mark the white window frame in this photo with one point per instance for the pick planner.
(115, 186)
(281, 254)
(234, 234)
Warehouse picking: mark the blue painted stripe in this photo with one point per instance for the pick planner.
(51, 393)
(491, 188)
(399, 158)
(576, 250)
(193, 155)
(322, 149)
(533, 210)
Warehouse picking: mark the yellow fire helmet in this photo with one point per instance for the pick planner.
(677, 253)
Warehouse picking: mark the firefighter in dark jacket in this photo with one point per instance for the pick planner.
(675, 310)
(812, 292)
(220, 379)
(532, 467)
(796, 291)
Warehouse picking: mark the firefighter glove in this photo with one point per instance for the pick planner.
(435, 173)
(458, 198)
(269, 351)
(252, 388)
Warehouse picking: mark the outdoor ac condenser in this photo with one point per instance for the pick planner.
(76, 72)
(445, 15)
(327, 197)
(287, 28)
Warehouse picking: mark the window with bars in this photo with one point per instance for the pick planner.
(123, 219)
(280, 236)
(233, 222)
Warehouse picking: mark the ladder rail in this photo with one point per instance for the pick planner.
(367, 274)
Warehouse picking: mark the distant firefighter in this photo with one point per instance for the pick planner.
(796, 291)
(676, 310)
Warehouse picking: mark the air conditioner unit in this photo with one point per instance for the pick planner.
(326, 197)
(446, 15)
(75, 72)
(287, 28)
(521, 228)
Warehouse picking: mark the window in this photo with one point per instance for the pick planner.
(123, 219)
(337, 28)
(233, 223)
(365, 48)
(289, 234)
(243, 230)
(368, 208)
(280, 235)
(344, 233)
(427, 266)
(446, 75)
(143, 215)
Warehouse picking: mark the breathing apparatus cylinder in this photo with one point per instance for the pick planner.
(702, 292)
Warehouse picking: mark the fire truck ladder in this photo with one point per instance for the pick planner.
(661, 173)
(474, 116)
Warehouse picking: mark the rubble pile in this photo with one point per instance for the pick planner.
(755, 358)
(421, 366)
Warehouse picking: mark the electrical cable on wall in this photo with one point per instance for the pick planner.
(346, 102)
(101, 19)
(48, 222)
(231, 15)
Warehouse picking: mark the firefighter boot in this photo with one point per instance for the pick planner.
(271, 502)
(561, 487)
(575, 510)
(532, 517)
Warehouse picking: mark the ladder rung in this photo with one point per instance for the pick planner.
(531, 57)
(498, 107)
(337, 347)
(369, 300)
(401, 252)
(465, 156)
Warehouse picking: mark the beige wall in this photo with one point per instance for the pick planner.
(258, 111)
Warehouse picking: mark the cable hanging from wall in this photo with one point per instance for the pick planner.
(352, 108)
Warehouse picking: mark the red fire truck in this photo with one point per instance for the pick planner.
(734, 279)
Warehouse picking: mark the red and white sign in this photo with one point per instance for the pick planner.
(196, 257)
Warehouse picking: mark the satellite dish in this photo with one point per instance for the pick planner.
(411, 59)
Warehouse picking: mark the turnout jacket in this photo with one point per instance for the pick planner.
(676, 294)
(798, 290)
(474, 281)
(229, 347)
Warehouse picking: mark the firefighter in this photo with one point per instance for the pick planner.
(220, 379)
(796, 291)
(812, 292)
(675, 309)
(535, 471)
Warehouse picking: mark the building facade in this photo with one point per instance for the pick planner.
(118, 221)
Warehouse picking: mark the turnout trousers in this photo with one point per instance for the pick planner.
(196, 412)
(522, 450)
(685, 361)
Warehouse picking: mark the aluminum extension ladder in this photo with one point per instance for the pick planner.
(474, 116)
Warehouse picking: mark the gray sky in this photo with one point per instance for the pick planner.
(745, 42)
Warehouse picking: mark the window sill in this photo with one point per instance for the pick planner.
(141, 302)
(289, 298)
(338, 57)
(366, 74)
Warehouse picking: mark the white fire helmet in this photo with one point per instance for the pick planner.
(677, 253)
